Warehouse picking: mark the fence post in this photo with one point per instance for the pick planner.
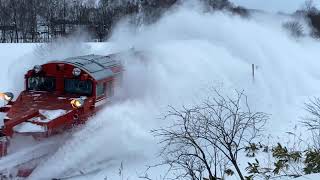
(252, 66)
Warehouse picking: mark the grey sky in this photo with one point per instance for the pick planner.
(273, 5)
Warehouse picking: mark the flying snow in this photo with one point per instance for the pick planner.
(186, 52)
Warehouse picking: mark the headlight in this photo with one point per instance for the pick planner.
(77, 103)
(37, 68)
(8, 96)
(76, 72)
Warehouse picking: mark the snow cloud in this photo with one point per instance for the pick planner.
(186, 52)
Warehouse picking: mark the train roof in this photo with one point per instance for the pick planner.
(97, 66)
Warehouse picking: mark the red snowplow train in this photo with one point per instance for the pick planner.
(58, 95)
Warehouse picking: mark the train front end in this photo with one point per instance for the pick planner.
(57, 96)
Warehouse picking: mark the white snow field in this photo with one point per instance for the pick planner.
(309, 177)
(188, 52)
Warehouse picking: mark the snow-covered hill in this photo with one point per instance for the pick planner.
(187, 52)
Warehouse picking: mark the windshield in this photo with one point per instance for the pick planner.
(76, 86)
(41, 83)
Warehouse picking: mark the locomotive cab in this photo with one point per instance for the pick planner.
(58, 95)
(61, 94)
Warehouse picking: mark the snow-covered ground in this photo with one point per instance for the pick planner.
(187, 53)
(309, 177)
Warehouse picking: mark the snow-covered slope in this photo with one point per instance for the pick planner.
(187, 52)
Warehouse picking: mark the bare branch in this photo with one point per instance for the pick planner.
(204, 136)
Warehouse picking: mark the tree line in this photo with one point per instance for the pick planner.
(311, 13)
(44, 20)
(23, 21)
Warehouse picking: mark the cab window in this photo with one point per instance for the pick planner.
(110, 89)
(101, 89)
(76, 86)
(41, 83)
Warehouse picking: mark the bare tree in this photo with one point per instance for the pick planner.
(209, 135)
(309, 6)
(183, 150)
(294, 28)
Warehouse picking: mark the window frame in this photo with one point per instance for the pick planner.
(78, 93)
(103, 85)
(51, 77)
(109, 88)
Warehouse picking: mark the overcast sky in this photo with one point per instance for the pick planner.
(273, 5)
